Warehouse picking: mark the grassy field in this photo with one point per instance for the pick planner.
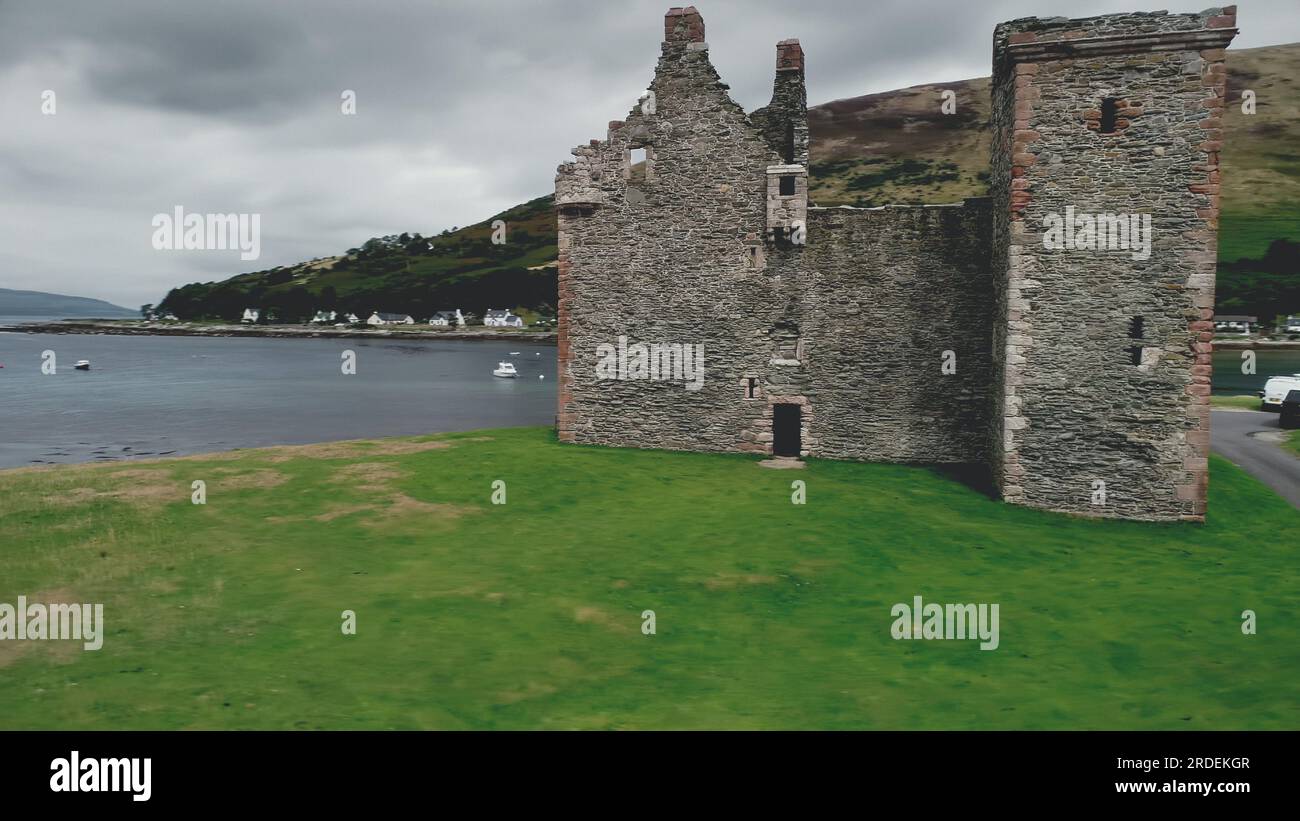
(528, 614)
(1244, 401)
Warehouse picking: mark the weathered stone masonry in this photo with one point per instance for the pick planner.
(846, 314)
(1104, 361)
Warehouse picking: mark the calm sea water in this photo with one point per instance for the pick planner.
(146, 396)
(1228, 378)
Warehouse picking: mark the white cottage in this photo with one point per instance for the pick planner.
(444, 319)
(502, 318)
(251, 315)
(378, 318)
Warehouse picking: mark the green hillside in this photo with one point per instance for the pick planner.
(898, 147)
(893, 147)
(407, 273)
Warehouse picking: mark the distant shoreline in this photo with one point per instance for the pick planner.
(117, 328)
(109, 328)
(1256, 344)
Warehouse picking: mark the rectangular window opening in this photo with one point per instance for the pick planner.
(787, 186)
(1108, 115)
(638, 166)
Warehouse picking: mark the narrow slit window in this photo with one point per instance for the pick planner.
(1108, 115)
(1135, 355)
(787, 186)
(1137, 328)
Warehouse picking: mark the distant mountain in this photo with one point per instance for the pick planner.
(892, 147)
(37, 303)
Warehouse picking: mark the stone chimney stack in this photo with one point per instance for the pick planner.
(683, 25)
(789, 56)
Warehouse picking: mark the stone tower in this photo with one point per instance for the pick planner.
(1105, 179)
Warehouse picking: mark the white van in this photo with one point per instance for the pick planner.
(1276, 389)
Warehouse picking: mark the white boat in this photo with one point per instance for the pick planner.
(505, 369)
(82, 365)
(514, 353)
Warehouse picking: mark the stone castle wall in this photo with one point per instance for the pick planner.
(883, 294)
(851, 314)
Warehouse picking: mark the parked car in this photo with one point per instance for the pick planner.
(1275, 390)
(1290, 414)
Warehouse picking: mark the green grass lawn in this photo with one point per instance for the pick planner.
(1244, 401)
(1292, 442)
(528, 614)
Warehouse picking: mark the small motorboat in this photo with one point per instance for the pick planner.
(82, 365)
(514, 353)
(505, 369)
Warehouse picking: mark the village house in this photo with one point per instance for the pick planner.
(324, 316)
(443, 319)
(251, 315)
(378, 318)
(1234, 324)
(502, 318)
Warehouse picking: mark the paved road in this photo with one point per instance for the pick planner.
(1246, 438)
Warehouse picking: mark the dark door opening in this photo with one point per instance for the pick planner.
(785, 430)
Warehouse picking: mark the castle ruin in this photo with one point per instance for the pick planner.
(1024, 331)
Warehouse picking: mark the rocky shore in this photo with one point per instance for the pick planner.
(1256, 344)
(280, 331)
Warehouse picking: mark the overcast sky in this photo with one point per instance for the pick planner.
(463, 109)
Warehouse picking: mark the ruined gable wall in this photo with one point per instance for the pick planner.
(666, 259)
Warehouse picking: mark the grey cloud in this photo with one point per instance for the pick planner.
(464, 109)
